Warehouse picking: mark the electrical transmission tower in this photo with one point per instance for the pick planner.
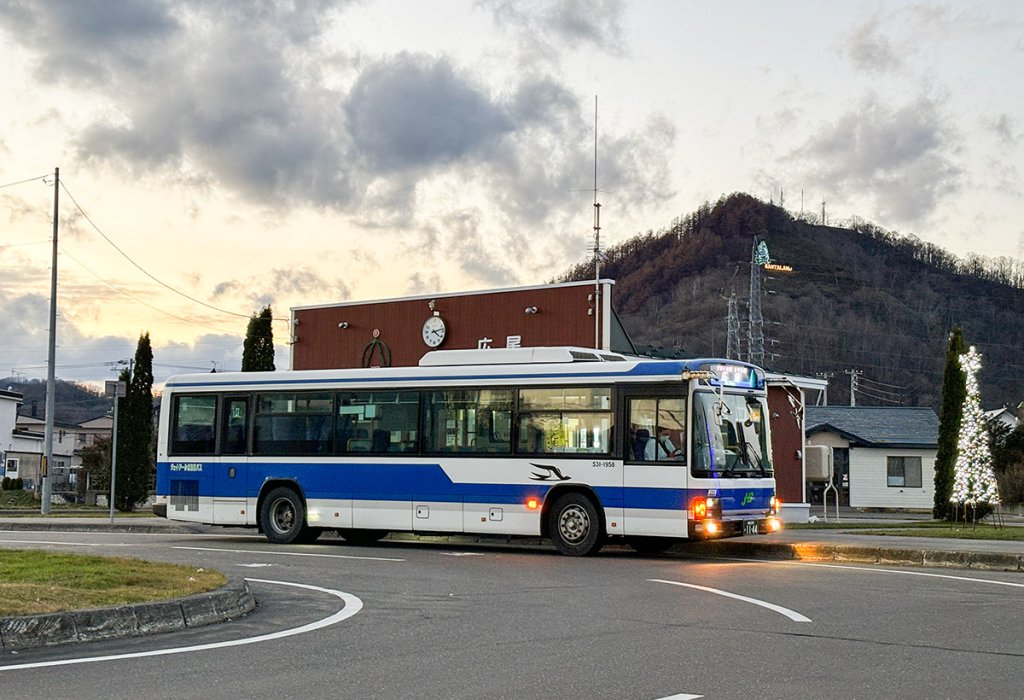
(732, 348)
(755, 329)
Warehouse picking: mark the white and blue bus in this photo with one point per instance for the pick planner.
(572, 444)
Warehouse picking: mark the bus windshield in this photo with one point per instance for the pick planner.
(730, 436)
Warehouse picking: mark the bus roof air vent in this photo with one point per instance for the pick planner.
(515, 356)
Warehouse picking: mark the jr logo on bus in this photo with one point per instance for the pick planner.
(748, 498)
(552, 474)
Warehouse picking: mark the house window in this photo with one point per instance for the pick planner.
(903, 472)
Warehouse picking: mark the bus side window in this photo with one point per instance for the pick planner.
(193, 428)
(657, 430)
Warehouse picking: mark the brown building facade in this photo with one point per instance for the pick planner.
(398, 332)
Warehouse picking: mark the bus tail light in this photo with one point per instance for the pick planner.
(702, 507)
(698, 508)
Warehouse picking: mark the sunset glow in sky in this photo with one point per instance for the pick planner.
(314, 151)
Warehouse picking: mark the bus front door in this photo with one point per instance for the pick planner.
(232, 470)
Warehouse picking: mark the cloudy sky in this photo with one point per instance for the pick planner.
(217, 156)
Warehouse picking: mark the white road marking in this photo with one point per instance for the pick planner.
(254, 566)
(463, 554)
(287, 554)
(791, 614)
(352, 606)
(876, 570)
(681, 696)
(70, 544)
(919, 573)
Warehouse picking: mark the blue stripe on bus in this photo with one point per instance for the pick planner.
(426, 482)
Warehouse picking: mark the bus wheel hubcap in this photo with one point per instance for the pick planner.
(574, 524)
(284, 516)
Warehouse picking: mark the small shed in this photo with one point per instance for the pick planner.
(884, 456)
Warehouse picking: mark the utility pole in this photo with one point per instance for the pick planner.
(826, 376)
(46, 486)
(823, 222)
(854, 373)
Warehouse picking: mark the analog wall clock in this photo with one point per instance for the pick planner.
(434, 330)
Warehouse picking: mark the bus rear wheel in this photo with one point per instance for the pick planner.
(575, 526)
(283, 517)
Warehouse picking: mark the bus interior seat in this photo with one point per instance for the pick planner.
(640, 443)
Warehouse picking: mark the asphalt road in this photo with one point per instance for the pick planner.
(413, 620)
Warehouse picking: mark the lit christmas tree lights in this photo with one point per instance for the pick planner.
(974, 481)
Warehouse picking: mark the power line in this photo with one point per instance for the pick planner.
(21, 182)
(139, 301)
(143, 270)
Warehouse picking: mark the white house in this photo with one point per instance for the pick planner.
(884, 457)
(1004, 416)
(22, 450)
(65, 459)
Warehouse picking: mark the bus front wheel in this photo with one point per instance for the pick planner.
(575, 526)
(283, 517)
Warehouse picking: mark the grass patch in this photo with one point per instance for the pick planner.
(17, 499)
(935, 528)
(33, 582)
(981, 532)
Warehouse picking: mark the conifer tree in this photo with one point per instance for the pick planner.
(954, 392)
(258, 349)
(135, 459)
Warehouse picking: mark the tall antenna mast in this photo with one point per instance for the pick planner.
(597, 245)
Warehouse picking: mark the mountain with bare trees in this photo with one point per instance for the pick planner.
(858, 298)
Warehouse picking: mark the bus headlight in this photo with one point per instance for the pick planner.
(776, 506)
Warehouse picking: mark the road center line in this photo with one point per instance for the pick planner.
(287, 554)
(791, 614)
(352, 606)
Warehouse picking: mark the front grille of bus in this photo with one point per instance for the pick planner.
(185, 494)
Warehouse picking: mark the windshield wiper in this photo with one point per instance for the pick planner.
(747, 450)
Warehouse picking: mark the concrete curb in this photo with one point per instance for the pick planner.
(104, 526)
(231, 601)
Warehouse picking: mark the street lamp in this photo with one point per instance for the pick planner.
(117, 390)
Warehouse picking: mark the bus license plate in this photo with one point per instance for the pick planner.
(749, 527)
